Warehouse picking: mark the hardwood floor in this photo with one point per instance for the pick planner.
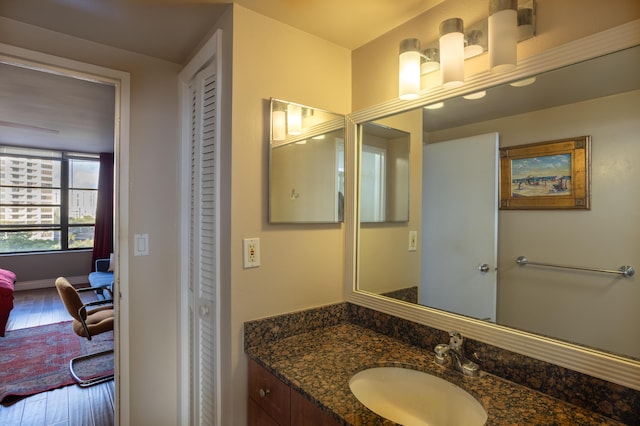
(67, 406)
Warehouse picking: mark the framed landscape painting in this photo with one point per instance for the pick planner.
(546, 175)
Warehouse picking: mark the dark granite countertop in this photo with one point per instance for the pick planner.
(320, 363)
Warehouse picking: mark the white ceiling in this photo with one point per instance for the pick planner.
(40, 109)
(170, 29)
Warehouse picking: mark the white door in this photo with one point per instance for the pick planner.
(459, 226)
(200, 348)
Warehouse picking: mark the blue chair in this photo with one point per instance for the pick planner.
(102, 278)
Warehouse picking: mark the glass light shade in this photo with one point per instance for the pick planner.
(409, 69)
(526, 27)
(294, 119)
(503, 35)
(452, 53)
(278, 125)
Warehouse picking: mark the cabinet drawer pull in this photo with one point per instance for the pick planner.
(264, 392)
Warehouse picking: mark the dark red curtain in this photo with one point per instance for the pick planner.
(103, 234)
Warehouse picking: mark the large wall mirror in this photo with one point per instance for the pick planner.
(306, 164)
(580, 319)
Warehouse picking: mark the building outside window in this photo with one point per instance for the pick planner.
(47, 199)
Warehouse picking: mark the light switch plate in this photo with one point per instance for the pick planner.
(413, 240)
(141, 245)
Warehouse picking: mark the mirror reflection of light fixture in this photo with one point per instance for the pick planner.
(278, 122)
(409, 69)
(503, 35)
(437, 105)
(294, 119)
(523, 82)
(452, 52)
(430, 60)
(476, 95)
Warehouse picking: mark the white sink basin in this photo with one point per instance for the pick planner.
(411, 397)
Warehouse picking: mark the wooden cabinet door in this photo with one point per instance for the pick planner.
(304, 412)
(259, 417)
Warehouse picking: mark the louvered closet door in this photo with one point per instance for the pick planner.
(204, 276)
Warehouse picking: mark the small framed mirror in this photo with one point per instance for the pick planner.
(306, 164)
(384, 173)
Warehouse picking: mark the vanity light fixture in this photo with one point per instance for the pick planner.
(279, 122)
(409, 69)
(503, 35)
(452, 52)
(476, 95)
(430, 60)
(526, 24)
(294, 119)
(473, 44)
(507, 24)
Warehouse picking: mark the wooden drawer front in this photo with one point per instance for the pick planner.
(269, 393)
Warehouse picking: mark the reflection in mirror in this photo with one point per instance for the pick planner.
(384, 174)
(599, 98)
(306, 164)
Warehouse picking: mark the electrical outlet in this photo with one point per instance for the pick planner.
(413, 240)
(251, 248)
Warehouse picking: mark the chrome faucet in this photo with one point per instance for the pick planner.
(455, 350)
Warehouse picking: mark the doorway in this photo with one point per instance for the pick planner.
(459, 231)
(120, 81)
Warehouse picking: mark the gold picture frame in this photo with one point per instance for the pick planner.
(546, 175)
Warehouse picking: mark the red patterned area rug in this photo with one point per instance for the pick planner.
(36, 359)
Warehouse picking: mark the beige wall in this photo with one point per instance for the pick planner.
(375, 65)
(302, 265)
(597, 310)
(153, 157)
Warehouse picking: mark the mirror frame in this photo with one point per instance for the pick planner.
(596, 363)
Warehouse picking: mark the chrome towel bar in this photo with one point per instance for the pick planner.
(625, 270)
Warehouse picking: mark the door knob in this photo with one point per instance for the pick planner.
(484, 267)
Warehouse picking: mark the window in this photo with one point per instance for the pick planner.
(47, 200)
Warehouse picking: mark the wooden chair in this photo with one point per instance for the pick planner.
(89, 319)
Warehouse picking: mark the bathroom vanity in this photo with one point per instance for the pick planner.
(300, 365)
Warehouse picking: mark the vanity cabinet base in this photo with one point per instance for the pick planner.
(273, 403)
